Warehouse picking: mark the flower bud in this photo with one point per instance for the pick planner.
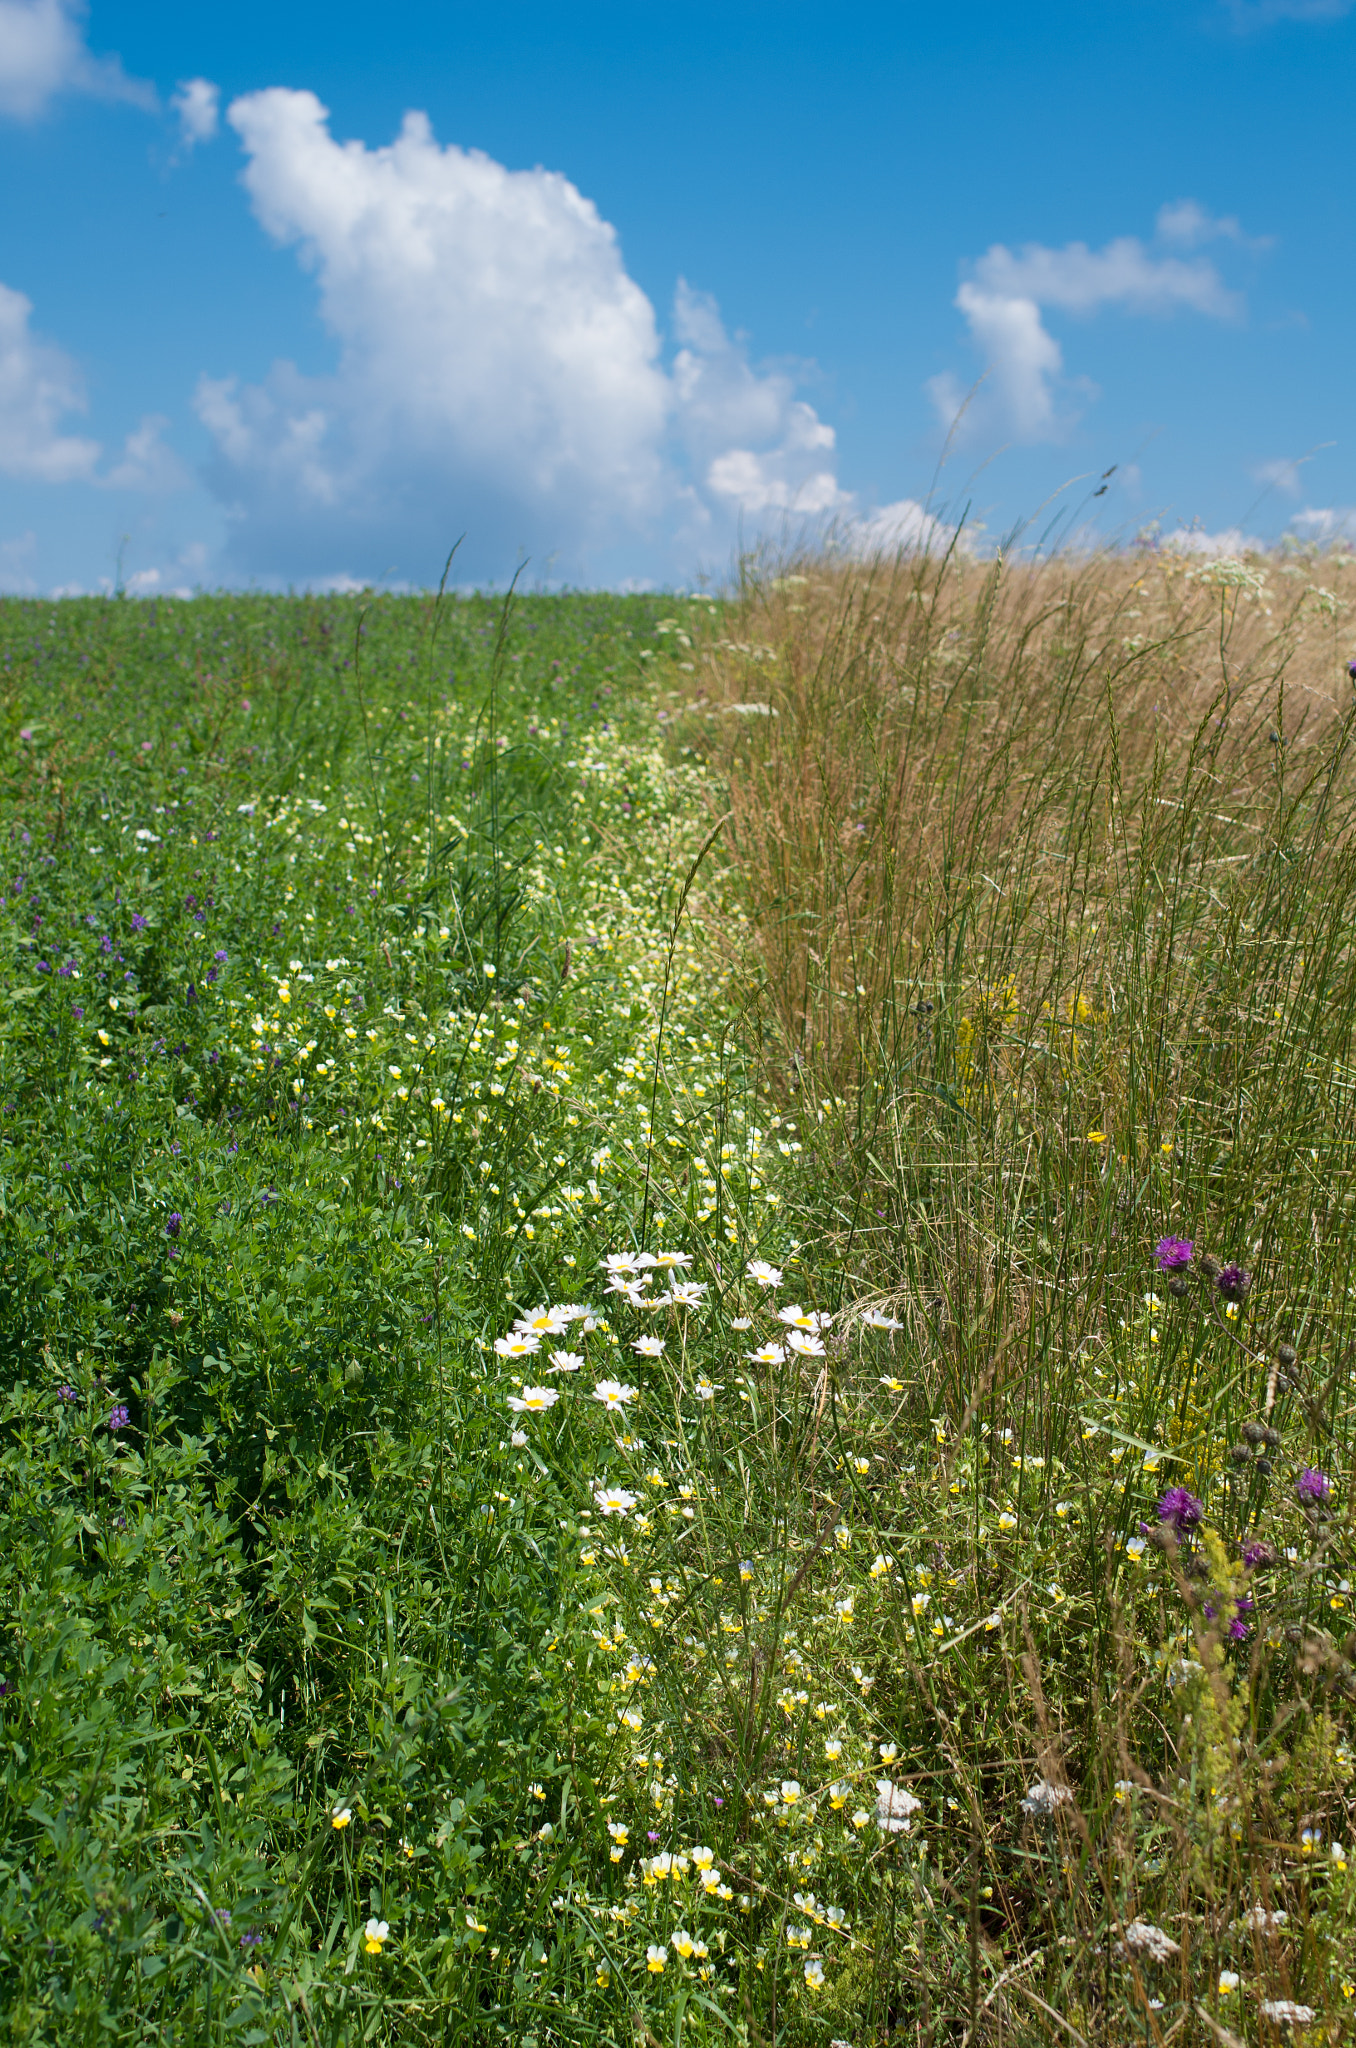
(1286, 1355)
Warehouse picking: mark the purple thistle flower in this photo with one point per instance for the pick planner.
(1234, 1281)
(173, 1223)
(1255, 1554)
(1181, 1508)
(1351, 671)
(1174, 1254)
(1238, 1629)
(67, 1394)
(118, 1417)
(1313, 1484)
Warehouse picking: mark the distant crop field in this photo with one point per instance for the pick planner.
(678, 1311)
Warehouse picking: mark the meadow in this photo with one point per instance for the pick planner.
(678, 1311)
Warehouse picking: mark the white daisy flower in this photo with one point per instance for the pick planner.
(649, 1347)
(762, 1274)
(543, 1322)
(613, 1395)
(565, 1361)
(519, 1345)
(614, 1500)
(533, 1400)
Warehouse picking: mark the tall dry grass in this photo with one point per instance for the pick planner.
(1029, 851)
(1047, 884)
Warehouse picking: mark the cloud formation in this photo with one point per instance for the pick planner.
(39, 385)
(498, 372)
(43, 53)
(1025, 395)
(1326, 523)
(197, 102)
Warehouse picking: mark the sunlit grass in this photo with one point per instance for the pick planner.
(612, 1432)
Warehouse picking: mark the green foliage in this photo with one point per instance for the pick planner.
(370, 973)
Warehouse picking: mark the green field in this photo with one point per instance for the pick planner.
(877, 1590)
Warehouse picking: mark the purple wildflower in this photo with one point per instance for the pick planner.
(1180, 1508)
(173, 1222)
(252, 1940)
(1174, 1254)
(219, 956)
(1234, 1281)
(1255, 1554)
(138, 921)
(1313, 1484)
(1238, 1629)
(67, 1394)
(118, 1417)
(1351, 671)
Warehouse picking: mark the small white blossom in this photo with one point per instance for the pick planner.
(533, 1400)
(895, 1807)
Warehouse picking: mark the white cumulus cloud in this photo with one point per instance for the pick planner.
(43, 53)
(1326, 523)
(498, 371)
(146, 464)
(906, 528)
(39, 385)
(1226, 545)
(197, 102)
(1004, 301)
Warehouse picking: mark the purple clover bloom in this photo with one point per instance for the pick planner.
(1174, 1254)
(118, 1417)
(1234, 1281)
(1181, 1508)
(173, 1222)
(1313, 1484)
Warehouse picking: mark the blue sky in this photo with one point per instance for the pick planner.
(299, 294)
